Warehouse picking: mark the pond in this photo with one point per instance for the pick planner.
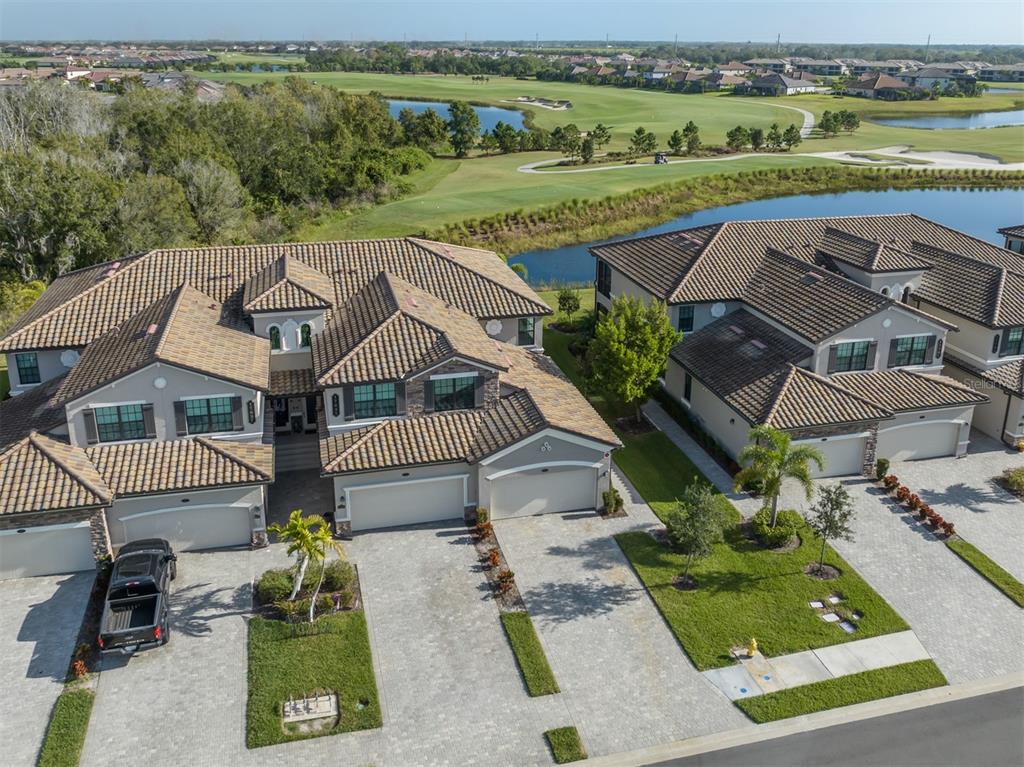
(969, 121)
(977, 212)
(489, 116)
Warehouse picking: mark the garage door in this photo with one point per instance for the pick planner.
(46, 550)
(200, 527)
(391, 504)
(843, 457)
(923, 440)
(523, 494)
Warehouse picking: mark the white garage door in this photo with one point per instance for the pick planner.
(520, 495)
(843, 457)
(45, 551)
(390, 504)
(192, 529)
(923, 440)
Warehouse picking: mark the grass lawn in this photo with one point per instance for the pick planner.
(566, 745)
(988, 569)
(533, 663)
(844, 691)
(282, 665)
(550, 297)
(65, 734)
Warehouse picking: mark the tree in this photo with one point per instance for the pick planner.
(756, 138)
(848, 121)
(218, 202)
(774, 138)
(791, 136)
(488, 143)
(463, 127)
(737, 138)
(630, 347)
(310, 540)
(828, 123)
(831, 516)
(568, 302)
(692, 135)
(642, 141)
(771, 458)
(430, 131)
(694, 526)
(601, 135)
(506, 136)
(676, 142)
(570, 141)
(153, 213)
(587, 149)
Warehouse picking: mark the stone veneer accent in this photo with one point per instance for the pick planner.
(868, 464)
(414, 388)
(870, 452)
(98, 532)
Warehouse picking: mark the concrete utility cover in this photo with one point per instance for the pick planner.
(816, 605)
(848, 627)
(834, 599)
(734, 681)
(830, 618)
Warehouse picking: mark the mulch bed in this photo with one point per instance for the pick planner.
(270, 612)
(1001, 481)
(747, 529)
(825, 573)
(508, 599)
(86, 648)
(632, 427)
(689, 583)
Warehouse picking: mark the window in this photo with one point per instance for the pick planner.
(119, 423)
(912, 350)
(850, 356)
(275, 337)
(906, 295)
(455, 393)
(604, 279)
(526, 327)
(305, 334)
(687, 387)
(685, 323)
(995, 343)
(28, 367)
(374, 400)
(335, 405)
(1014, 343)
(203, 416)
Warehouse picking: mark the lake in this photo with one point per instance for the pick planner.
(969, 121)
(489, 116)
(977, 212)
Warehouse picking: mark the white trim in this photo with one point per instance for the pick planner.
(549, 432)
(529, 467)
(97, 405)
(443, 376)
(912, 335)
(463, 360)
(834, 438)
(44, 528)
(182, 507)
(951, 421)
(206, 396)
(348, 490)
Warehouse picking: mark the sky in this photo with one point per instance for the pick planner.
(824, 21)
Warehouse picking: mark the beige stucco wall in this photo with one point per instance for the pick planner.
(139, 387)
(972, 341)
(1003, 417)
(727, 426)
(50, 366)
(901, 323)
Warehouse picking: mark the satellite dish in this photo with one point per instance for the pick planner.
(493, 327)
(69, 357)
(718, 310)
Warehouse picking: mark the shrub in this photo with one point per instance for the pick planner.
(881, 468)
(493, 557)
(1014, 479)
(786, 525)
(483, 530)
(324, 604)
(506, 580)
(612, 500)
(948, 528)
(936, 521)
(902, 493)
(891, 481)
(339, 575)
(79, 669)
(274, 586)
(914, 501)
(482, 516)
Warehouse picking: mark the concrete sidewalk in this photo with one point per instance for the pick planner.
(759, 675)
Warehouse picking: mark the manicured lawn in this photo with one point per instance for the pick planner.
(566, 745)
(988, 569)
(533, 663)
(550, 297)
(282, 665)
(844, 691)
(65, 734)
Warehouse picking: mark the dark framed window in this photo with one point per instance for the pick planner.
(912, 350)
(685, 323)
(204, 416)
(995, 343)
(335, 405)
(120, 422)
(526, 331)
(1014, 343)
(687, 387)
(604, 279)
(851, 356)
(305, 335)
(275, 337)
(374, 400)
(455, 393)
(28, 367)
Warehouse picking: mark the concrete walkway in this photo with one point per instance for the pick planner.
(759, 675)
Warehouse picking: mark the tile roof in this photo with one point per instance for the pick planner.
(390, 330)
(867, 255)
(1009, 376)
(902, 391)
(804, 400)
(1013, 231)
(877, 81)
(184, 329)
(292, 382)
(287, 284)
(38, 409)
(80, 306)
(136, 468)
(39, 473)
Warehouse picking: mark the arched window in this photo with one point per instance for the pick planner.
(305, 334)
(906, 295)
(274, 332)
(885, 291)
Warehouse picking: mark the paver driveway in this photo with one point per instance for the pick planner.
(39, 622)
(624, 677)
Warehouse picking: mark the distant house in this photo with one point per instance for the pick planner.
(720, 81)
(733, 68)
(860, 67)
(824, 67)
(769, 65)
(777, 85)
(876, 86)
(1002, 73)
(930, 77)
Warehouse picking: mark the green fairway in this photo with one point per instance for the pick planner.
(267, 59)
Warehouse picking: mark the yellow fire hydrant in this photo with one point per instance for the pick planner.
(752, 648)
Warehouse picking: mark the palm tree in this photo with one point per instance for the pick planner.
(309, 538)
(771, 458)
